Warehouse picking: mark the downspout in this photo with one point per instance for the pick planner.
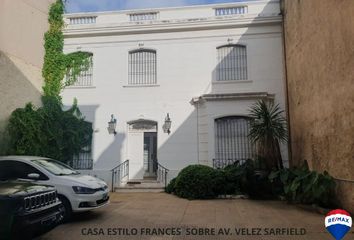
(282, 12)
(195, 103)
(198, 139)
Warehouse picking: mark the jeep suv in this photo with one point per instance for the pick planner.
(26, 208)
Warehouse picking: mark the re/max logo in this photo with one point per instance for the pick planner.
(338, 219)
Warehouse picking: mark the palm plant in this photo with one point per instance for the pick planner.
(268, 129)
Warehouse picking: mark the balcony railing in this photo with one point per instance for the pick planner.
(231, 11)
(222, 163)
(82, 20)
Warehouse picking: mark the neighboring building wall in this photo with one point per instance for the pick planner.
(186, 50)
(22, 26)
(319, 40)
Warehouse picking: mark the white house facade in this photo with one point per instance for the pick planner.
(197, 69)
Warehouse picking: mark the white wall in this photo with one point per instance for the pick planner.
(186, 61)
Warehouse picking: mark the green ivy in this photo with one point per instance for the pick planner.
(48, 131)
(57, 64)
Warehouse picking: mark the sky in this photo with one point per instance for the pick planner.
(74, 6)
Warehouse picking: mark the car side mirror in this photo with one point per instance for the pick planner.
(34, 176)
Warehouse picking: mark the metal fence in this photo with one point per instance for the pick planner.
(222, 163)
(82, 162)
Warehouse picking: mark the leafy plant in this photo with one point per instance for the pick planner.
(56, 63)
(197, 182)
(171, 187)
(300, 185)
(48, 131)
(268, 128)
(233, 177)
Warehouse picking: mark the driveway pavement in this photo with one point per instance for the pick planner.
(143, 215)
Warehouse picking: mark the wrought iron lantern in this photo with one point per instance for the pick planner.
(112, 125)
(167, 125)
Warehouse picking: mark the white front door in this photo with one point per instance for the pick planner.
(142, 148)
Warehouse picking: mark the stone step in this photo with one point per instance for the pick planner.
(140, 185)
(127, 189)
(141, 181)
(137, 190)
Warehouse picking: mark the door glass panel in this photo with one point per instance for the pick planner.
(146, 153)
(150, 150)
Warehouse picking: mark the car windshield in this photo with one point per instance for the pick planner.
(55, 167)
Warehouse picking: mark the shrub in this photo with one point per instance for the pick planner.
(234, 178)
(198, 182)
(48, 131)
(170, 188)
(248, 179)
(300, 185)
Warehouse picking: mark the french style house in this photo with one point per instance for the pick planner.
(171, 87)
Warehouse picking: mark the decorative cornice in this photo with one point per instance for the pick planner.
(199, 6)
(232, 96)
(169, 26)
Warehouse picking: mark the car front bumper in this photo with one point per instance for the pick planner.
(38, 221)
(85, 202)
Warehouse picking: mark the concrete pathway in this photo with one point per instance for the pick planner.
(140, 215)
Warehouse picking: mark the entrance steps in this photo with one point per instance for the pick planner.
(141, 185)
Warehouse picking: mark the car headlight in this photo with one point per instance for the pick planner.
(83, 190)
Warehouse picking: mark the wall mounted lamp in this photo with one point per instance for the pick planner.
(112, 125)
(167, 125)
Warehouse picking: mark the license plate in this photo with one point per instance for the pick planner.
(49, 220)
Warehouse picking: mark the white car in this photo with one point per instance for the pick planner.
(76, 191)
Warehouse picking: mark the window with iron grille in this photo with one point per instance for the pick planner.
(231, 11)
(232, 141)
(143, 16)
(85, 77)
(142, 67)
(83, 160)
(232, 63)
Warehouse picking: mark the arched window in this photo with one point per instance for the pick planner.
(142, 67)
(232, 142)
(232, 63)
(86, 76)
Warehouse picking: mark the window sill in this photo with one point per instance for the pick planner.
(232, 81)
(141, 86)
(80, 87)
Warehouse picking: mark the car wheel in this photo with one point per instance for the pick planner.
(67, 211)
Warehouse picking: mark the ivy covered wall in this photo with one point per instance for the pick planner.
(49, 130)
